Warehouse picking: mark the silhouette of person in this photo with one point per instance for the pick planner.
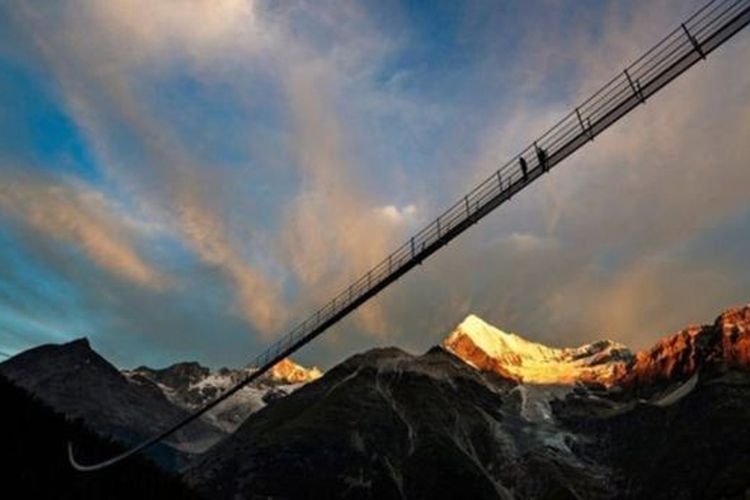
(524, 167)
(541, 155)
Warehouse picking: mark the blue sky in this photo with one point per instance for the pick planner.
(188, 180)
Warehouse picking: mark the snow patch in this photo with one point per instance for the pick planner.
(678, 393)
(535, 401)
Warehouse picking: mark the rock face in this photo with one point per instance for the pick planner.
(723, 345)
(76, 381)
(491, 415)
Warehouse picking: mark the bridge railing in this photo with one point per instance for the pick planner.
(638, 81)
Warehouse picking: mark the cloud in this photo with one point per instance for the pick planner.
(195, 29)
(597, 247)
(649, 298)
(331, 232)
(83, 218)
(397, 215)
(157, 169)
(287, 148)
(258, 299)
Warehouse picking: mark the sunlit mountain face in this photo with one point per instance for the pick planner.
(488, 348)
(673, 358)
(724, 345)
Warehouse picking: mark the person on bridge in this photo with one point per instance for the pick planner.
(524, 167)
(541, 155)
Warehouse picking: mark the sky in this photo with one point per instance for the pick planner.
(186, 180)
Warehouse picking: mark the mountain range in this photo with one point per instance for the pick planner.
(132, 405)
(485, 414)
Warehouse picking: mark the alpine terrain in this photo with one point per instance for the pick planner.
(488, 414)
(485, 414)
(131, 405)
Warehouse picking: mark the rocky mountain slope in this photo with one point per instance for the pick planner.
(132, 405)
(76, 381)
(190, 386)
(35, 464)
(708, 349)
(491, 415)
(386, 424)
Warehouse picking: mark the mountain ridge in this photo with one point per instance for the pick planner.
(671, 359)
(131, 405)
(76, 381)
(389, 424)
(190, 386)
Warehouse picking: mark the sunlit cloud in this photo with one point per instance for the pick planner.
(397, 215)
(284, 149)
(83, 218)
(331, 233)
(196, 29)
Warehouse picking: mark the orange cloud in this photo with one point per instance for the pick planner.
(334, 232)
(82, 218)
(258, 298)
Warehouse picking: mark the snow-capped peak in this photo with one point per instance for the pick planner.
(290, 372)
(488, 348)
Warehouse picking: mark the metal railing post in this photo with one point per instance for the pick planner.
(636, 88)
(694, 41)
(585, 130)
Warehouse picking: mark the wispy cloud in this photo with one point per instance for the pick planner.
(80, 217)
(166, 179)
(284, 149)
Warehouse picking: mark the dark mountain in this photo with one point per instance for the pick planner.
(78, 382)
(693, 447)
(535, 422)
(35, 462)
(386, 424)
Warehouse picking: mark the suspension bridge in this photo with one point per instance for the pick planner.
(691, 42)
